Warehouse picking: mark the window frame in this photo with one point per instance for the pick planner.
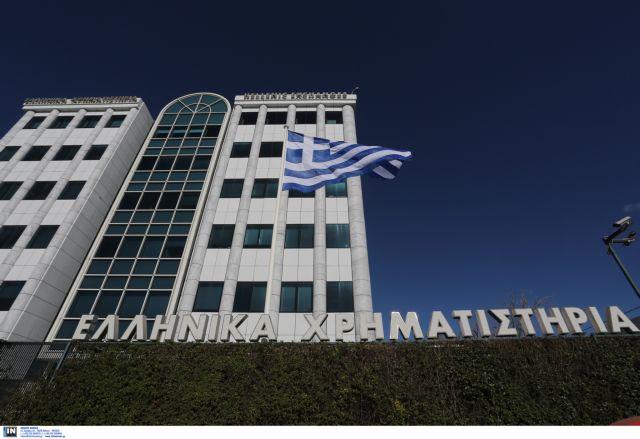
(44, 234)
(296, 300)
(263, 230)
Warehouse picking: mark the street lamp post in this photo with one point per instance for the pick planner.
(621, 225)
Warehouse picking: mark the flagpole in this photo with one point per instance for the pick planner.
(272, 259)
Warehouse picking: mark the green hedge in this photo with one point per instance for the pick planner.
(532, 381)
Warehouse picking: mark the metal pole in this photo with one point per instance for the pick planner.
(624, 270)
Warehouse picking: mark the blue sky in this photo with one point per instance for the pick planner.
(522, 116)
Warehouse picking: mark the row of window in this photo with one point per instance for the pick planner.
(9, 235)
(280, 118)
(268, 188)
(62, 122)
(179, 131)
(296, 236)
(267, 149)
(295, 297)
(40, 190)
(66, 152)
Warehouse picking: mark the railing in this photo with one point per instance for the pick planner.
(23, 365)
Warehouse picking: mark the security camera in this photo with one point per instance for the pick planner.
(624, 222)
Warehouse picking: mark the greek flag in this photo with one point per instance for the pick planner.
(313, 162)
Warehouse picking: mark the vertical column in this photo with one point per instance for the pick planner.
(319, 235)
(275, 279)
(17, 127)
(357, 233)
(29, 181)
(235, 255)
(200, 249)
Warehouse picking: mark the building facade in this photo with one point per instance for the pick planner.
(201, 229)
(61, 166)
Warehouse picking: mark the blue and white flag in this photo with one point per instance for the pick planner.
(313, 162)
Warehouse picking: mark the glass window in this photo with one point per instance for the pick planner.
(9, 290)
(189, 200)
(249, 297)
(296, 297)
(163, 283)
(82, 303)
(131, 303)
(152, 247)
(167, 267)
(338, 236)
(162, 217)
(115, 121)
(66, 152)
(34, 123)
(258, 236)
(8, 189)
(174, 247)
(141, 217)
(201, 162)
(306, 118)
(178, 131)
(71, 190)
(149, 200)
(42, 237)
(276, 118)
(123, 266)
(339, 297)
(121, 216)
(293, 193)
(98, 266)
(108, 246)
(165, 163)
(248, 118)
(183, 216)
(9, 235)
(95, 152)
(40, 190)
(232, 188)
(137, 229)
(147, 163)
(158, 229)
(211, 131)
(8, 152)
(91, 282)
(89, 122)
(299, 236)
(139, 282)
(156, 304)
(130, 247)
(169, 201)
(337, 190)
(36, 153)
(208, 297)
(129, 200)
(60, 122)
(107, 303)
(265, 188)
(145, 266)
(67, 329)
(195, 131)
(221, 236)
(115, 282)
(162, 132)
(271, 149)
(183, 162)
(241, 149)
(333, 117)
